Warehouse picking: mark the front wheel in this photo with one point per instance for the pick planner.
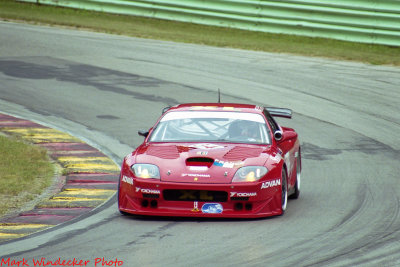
(118, 196)
(284, 198)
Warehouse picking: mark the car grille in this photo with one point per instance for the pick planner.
(240, 198)
(195, 195)
(151, 195)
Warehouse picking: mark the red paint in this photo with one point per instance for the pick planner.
(187, 190)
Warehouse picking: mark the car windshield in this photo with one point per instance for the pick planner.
(210, 126)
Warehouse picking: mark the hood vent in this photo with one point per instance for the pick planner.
(242, 152)
(165, 152)
(199, 161)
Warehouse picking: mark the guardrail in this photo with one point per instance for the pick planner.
(366, 21)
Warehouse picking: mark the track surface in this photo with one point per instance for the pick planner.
(104, 88)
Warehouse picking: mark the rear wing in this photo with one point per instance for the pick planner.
(280, 112)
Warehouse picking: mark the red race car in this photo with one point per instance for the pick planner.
(213, 160)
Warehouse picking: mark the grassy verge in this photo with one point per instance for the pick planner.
(193, 33)
(25, 171)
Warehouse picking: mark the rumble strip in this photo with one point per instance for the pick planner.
(87, 179)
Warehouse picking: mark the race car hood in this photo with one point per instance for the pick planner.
(201, 162)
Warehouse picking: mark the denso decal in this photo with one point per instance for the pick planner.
(236, 194)
(127, 179)
(213, 208)
(271, 183)
(148, 191)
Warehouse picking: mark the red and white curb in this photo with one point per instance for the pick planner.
(89, 178)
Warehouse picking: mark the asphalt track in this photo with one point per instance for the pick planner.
(103, 88)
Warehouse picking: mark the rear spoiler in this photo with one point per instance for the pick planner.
(280, 112)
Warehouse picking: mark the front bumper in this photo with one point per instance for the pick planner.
(244, 200)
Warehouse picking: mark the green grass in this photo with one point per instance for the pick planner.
(200, 34)
(25, 171)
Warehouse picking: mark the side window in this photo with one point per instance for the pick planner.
(274, 126)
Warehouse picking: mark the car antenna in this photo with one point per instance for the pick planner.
(219, 96)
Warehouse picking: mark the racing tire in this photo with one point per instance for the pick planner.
(284, 196)
(120, 211)
(124, 213)
(296, 193)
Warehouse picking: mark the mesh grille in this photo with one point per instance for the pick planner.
(195, 195)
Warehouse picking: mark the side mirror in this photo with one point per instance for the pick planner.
(143, 133)
(278, 135)
(288, 135)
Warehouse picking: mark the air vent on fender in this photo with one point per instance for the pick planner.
(199, 161)
(242, 152)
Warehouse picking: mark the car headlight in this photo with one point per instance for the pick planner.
(146, 171)
(249, 174)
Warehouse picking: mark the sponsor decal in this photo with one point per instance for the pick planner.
(147, 191)
(212, 208)
(227, 164)
(198, 168)
(215, 108)
(127, 179)
(231, 109)
(195, 206)
(204, 107)
(244, 194)
(196, 175)
(272, 183)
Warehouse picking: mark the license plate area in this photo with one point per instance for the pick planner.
(195, 195)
